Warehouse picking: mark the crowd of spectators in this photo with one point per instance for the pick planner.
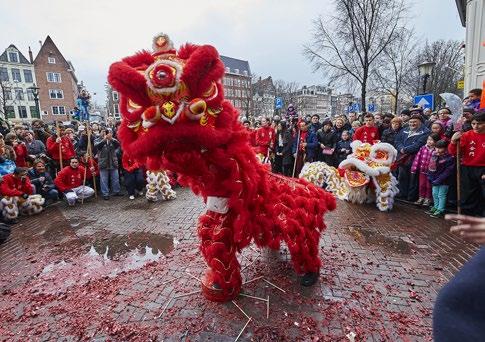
(59, 162)
(426, 144)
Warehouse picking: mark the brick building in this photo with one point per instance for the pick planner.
(314, 100)
(17, 78)
(112, 102)
(57, 82)
(264, 93)
(237, 84)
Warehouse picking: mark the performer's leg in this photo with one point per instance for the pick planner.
(302, 241)
(222, 281)
(163, 185)
(10, 210)
(152, 189)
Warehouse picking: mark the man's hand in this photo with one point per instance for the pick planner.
(42, 179)
(92, 169)
(456, 137)
(470, 228)
(402, 151)
(58, 140)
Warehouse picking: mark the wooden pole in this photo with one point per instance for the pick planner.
(84, 181)
(90, 155)
(297, 149)
(60, 145)
(458, 179)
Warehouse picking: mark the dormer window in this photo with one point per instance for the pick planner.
(13, 57)
(236, 71)
(245, 72)
(228, 69)
(51, 60)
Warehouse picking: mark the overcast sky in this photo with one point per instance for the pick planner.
(269, 34)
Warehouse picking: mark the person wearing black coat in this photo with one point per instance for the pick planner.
(277, 166)
(389, 134)
(42, 181)
(459, 313)
(287, 153)
(327, 141)
(343, 149)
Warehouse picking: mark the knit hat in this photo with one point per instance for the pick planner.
(417, 116)
(405, 112)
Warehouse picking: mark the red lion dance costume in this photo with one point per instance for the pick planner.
(173, 109)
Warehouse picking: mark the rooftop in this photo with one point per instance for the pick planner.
(236, 66)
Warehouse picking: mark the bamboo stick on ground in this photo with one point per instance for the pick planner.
(279, 288)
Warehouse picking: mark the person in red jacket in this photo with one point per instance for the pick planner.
(472, 178)
(19, 147)
(17, 192)
(368, 133)
(264, 139)
(67, 148)
(70, 180)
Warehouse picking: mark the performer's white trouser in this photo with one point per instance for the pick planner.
(79, 193)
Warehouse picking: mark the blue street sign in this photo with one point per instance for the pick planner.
(371, 107)
(355, 107)
(425, 101)
(278, 103)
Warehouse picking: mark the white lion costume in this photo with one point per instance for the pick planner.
(352, 180)
(12, 206)
(158, 183)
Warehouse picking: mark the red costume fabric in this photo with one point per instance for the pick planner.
(70, 178)
(67, 148)
(367, 134)
(21, 153)
(264, 138)
(174, 110)
(15, 186)
(472, 146)
(129, 164)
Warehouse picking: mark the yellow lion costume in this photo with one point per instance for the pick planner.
(365, 176)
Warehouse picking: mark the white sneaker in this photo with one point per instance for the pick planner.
(132, 197)
(140, 193)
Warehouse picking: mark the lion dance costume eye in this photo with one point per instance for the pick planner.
(174, 113)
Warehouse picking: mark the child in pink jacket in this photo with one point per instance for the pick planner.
(420, 167)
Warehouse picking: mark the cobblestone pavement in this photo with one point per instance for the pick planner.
(112, 270)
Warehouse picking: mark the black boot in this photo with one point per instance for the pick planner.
(309, 279)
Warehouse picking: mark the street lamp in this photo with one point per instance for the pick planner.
(35, 94)
(425, 70)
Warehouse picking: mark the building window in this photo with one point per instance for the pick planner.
(245, 72)
(236, 71)
(19, 94)
(8, 93)
(58, 110)
(51, 60)
(23, 112)
(30, 95)
(115, 96)
(116, 109)
(13, 57)
(228, 70)
(54, 77)
(4, 74)
(28, 76)
(10, 112)
(56, 94)
(34, 113)
(16, 75)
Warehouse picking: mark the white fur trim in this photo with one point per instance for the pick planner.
(391, 151)
(363, 167)
(169, 45)
(168, 90)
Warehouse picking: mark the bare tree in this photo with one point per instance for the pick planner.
(449, 59)
(395, 76)
(347, 45)
(287, 91)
